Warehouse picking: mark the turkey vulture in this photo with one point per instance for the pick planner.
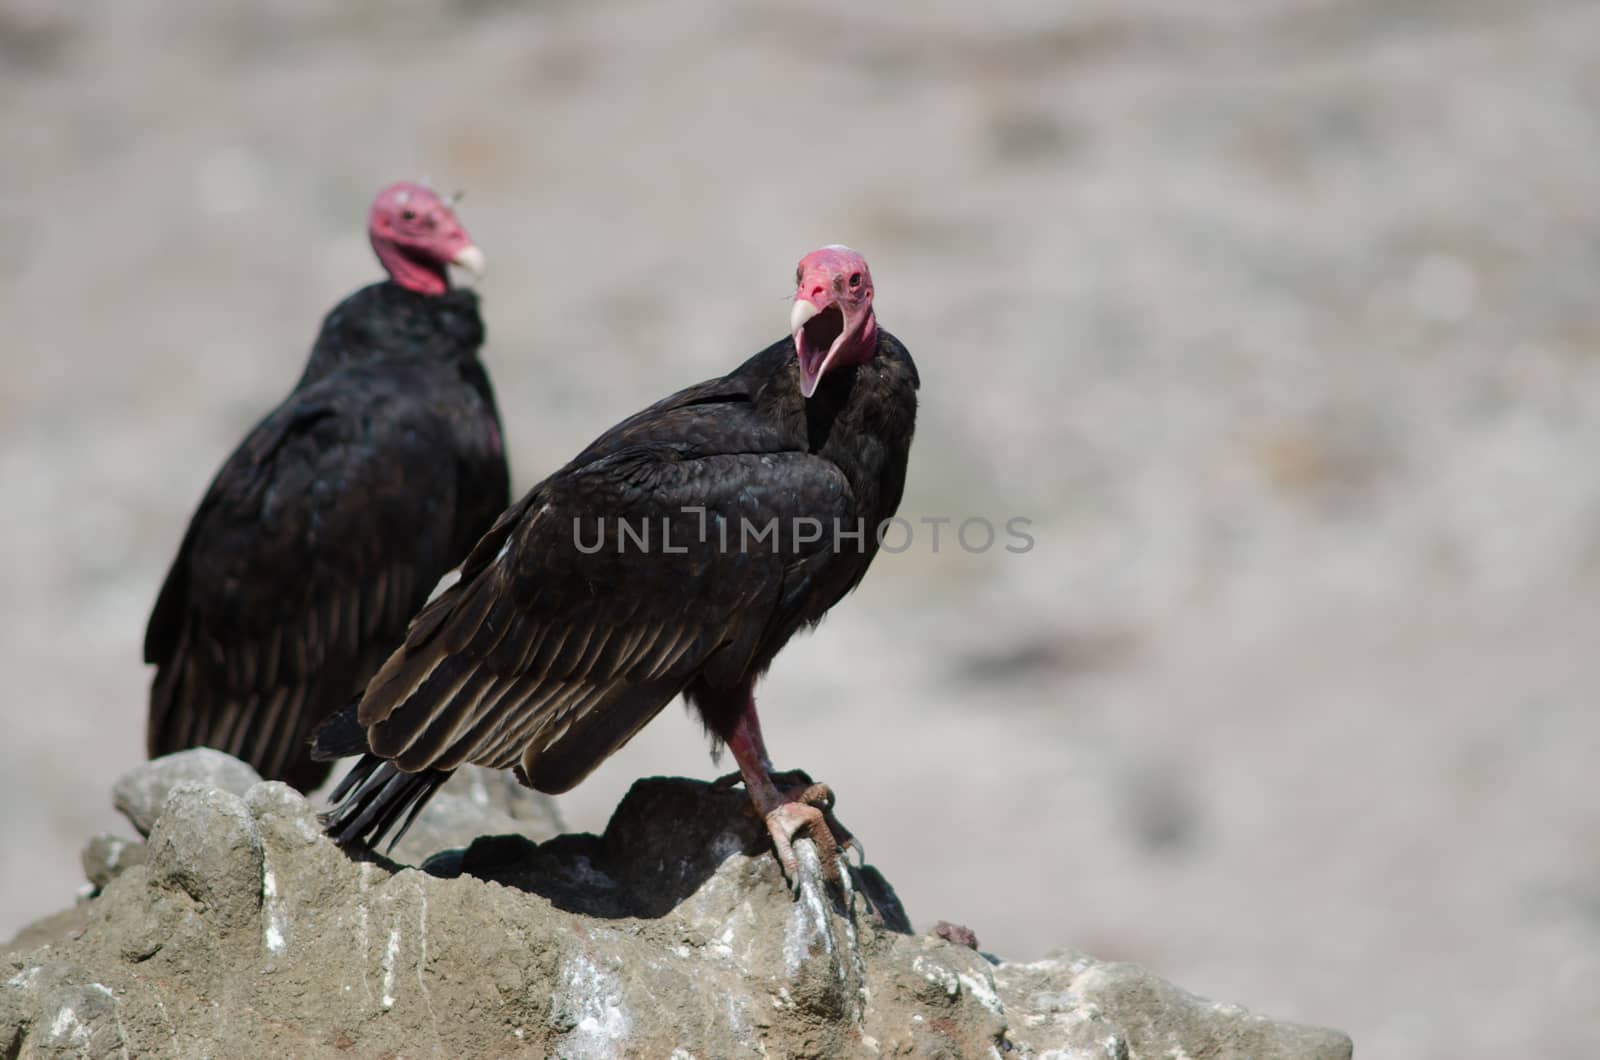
(332, 521)
(676, 554)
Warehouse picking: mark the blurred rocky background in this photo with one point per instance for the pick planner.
(1276, 317)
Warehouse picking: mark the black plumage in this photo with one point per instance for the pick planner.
(326, 530)
(549, 654)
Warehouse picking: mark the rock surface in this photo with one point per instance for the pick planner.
(474, 802)
(242, 931)
(141, 794)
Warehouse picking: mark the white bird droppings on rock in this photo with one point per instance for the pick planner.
(938, 975)
(982, 991)
(390, 952)
(24, 978)
(808, 919)
(593, 998)
(276, 918)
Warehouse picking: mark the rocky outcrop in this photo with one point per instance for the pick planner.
(238, 929)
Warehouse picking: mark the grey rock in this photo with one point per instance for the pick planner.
(673, 930)
(1205, 1028)
(205, 845)
(105, 856)
(49, 1006)
(79, 1022)
(141, 793)
(1070, 1001)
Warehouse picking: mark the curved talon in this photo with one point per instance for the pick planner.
(842, 835)
(851, 844)
(807, 806)
(821, 796)
(785, 822)
(818, 795)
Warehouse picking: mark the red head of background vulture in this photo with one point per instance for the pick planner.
(328, 526)
(677, 554)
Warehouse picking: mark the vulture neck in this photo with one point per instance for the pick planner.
(832, 399)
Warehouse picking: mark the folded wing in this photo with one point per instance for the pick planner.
(314, 545)
(593, 602)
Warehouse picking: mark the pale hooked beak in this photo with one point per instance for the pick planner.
(470, 258)
(818, 333)
(802, 312)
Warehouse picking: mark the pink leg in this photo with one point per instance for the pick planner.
(785, 813)
(748, 748)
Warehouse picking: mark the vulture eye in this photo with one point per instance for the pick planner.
(799, 274)
(855, 279)
(408, 214)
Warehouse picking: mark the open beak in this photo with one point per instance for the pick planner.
(469, 258)
(818, 333)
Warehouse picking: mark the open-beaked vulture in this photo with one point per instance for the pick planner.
(677, 554)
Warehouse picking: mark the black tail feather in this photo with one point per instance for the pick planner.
(341, 736)
(376, 796)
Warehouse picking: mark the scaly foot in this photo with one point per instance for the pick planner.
(785, 822)
(799, 804)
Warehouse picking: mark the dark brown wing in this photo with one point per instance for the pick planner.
(317, 540)
(548, 656)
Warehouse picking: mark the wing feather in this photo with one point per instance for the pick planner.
(299, 573)
(552, 658)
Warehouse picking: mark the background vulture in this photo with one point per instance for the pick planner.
(676, 554)
(335, 517)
